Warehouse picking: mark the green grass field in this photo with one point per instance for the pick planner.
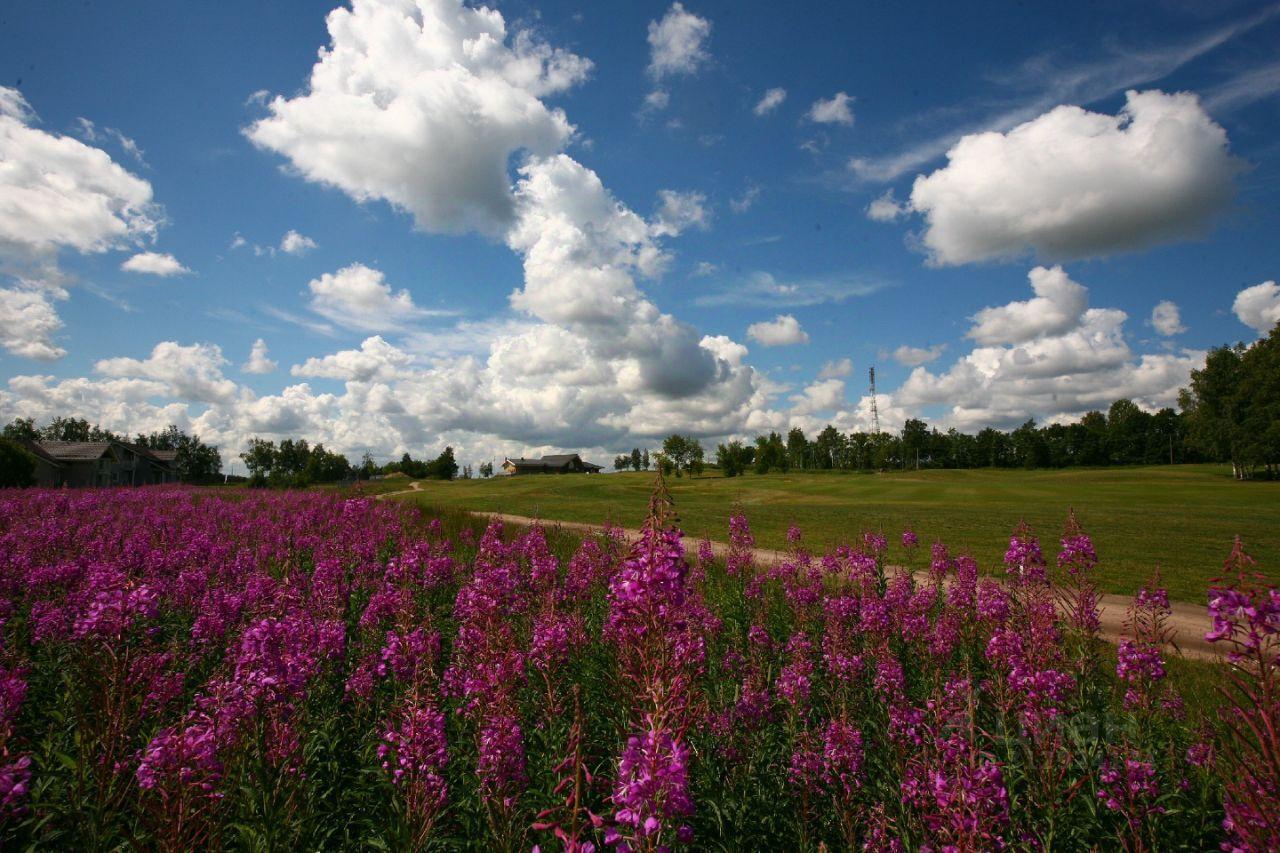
(1181, 518)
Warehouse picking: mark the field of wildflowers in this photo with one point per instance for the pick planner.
(186, 669)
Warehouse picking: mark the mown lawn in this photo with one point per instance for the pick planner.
(1180, 518)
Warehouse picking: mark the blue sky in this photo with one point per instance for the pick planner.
(541, 226)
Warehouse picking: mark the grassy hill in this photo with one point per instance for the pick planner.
(1181, 518)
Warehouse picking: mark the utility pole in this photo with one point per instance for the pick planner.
(875, 411)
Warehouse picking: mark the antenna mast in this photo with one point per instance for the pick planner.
(875, 412)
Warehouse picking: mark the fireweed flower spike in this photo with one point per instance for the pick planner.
(658, 624)
(1246, 620)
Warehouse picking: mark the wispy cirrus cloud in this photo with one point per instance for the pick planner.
(763, 289)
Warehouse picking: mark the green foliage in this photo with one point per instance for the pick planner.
(1232, 408)
(17, 466)
(443, 467)
(771, 454)
(734, 458)
(684, 453)
(196, 461)
(293, 463)
(21, 429)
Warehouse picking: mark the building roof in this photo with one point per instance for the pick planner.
(35, 449)
(75, 451)
(164, 457)
(90, 451)
(559, 460)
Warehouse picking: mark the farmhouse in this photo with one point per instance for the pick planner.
(569, 463)
(101, 463)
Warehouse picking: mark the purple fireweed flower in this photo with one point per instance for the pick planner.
(414, 753)
(555, 636)
(652, 788)
(705, 552)
(795, 679)
(909, 538)
(965, 804)
(906, 725)
(544, 568)
(405, 657)
(588, 567)
(992, 602)
(13, 690)
(1129, 786)
(889, 680)
(113, 611)
(1200, 754)
(650, 589)
(741, 545)
(806, 769)
(1138, 663)
(501, 766)
(842, 757)
(1024, 561)
(152, 675)
(15, 780)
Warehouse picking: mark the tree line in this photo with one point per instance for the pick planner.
(294, 463)
(1230, 413)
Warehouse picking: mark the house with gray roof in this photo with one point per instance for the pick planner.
(567, 463)
(101, 463)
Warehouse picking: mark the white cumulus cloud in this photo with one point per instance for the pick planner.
(1066, 368)
(910, 356)
(886, 208)
(821, 396)
(1058, 307)
(783, 330)
(678, 211)
(423, 105)
(1258, 307)
(154, 263)
(191, 372)
(836, 369)
(376, 359)
(359, 297)
(1073, 183)
(258, 362)
(29, 321)
(293, 243)
(677, 43)
(56, 194)
(1166, 319)
(770, 101)
(834, 110)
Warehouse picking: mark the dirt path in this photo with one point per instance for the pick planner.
(1189, 622)
(414, 486)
